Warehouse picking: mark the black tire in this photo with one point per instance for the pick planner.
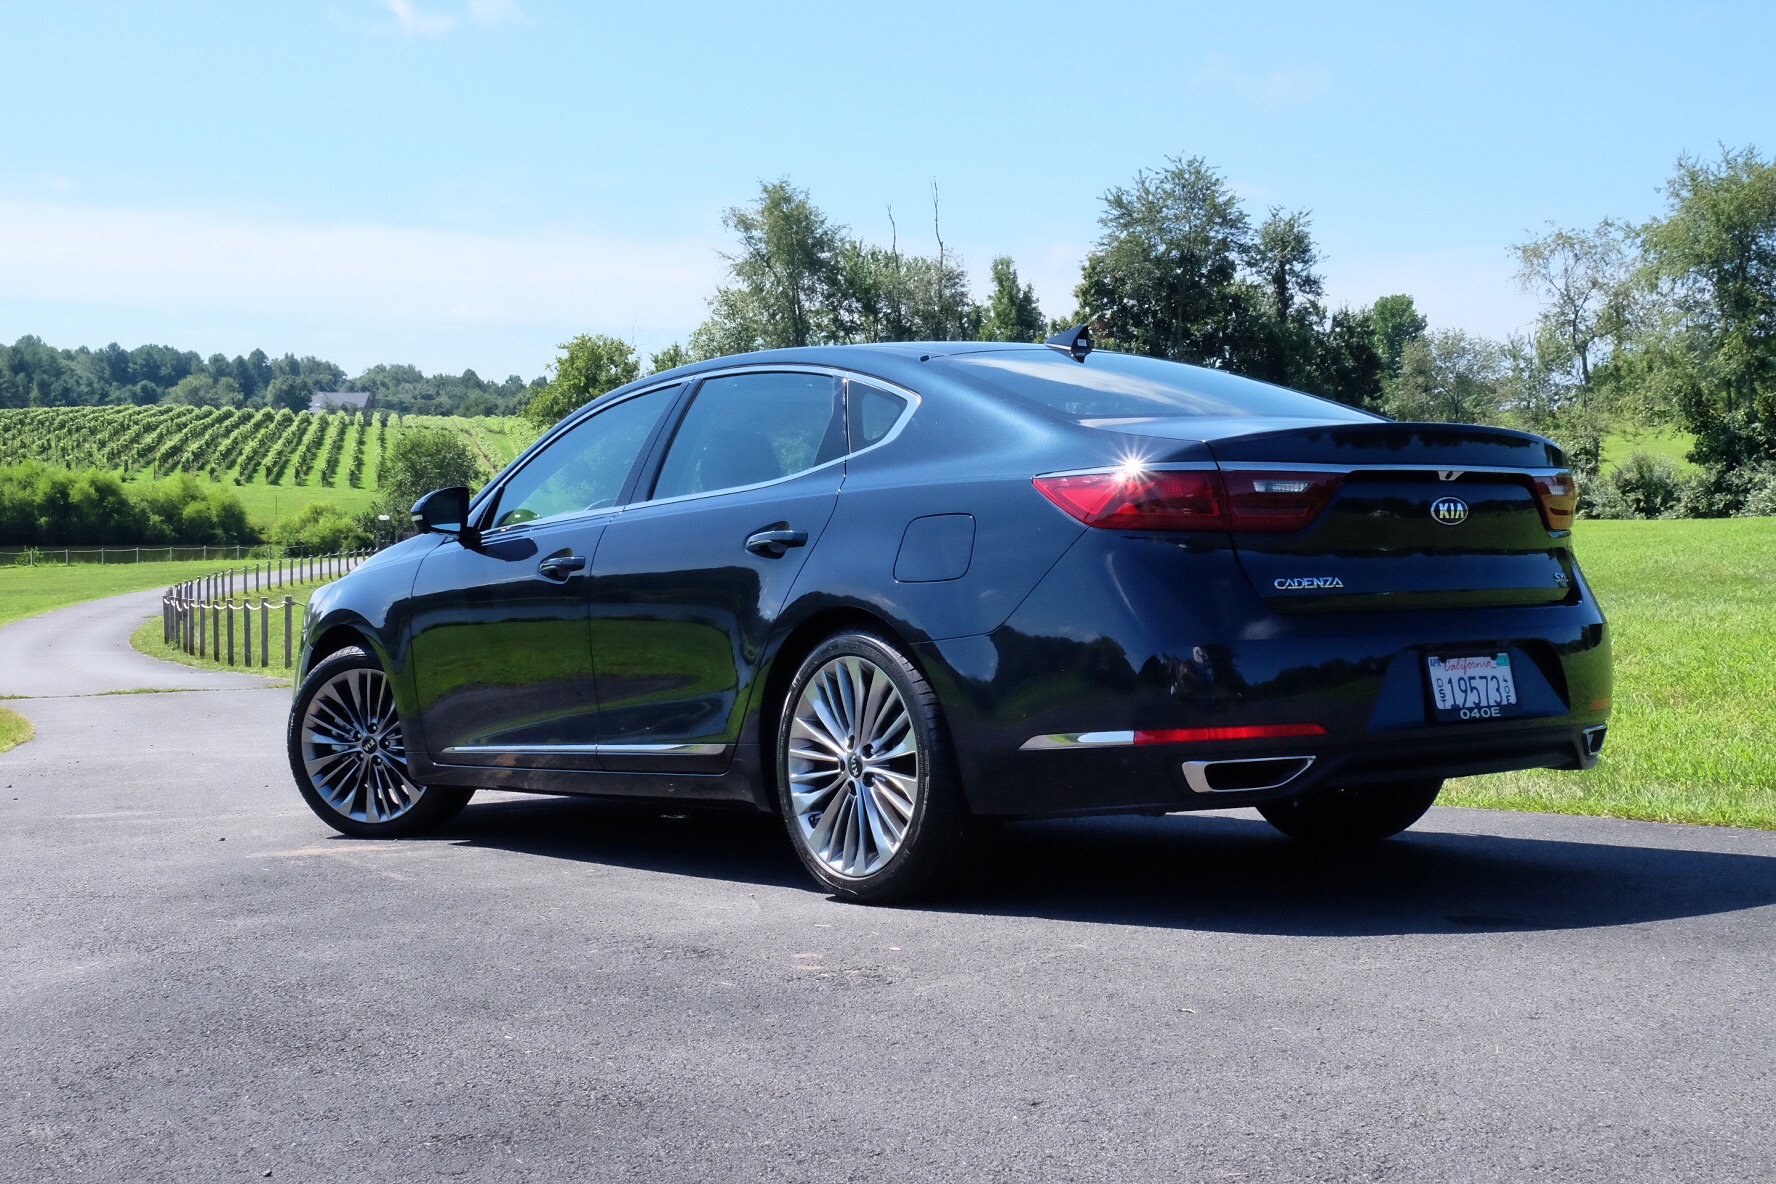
(1352, 814)
(904, 809)
(344, 730)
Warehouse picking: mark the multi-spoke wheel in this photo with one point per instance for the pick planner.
(349, 754)
(1352, 813)
(864, 774)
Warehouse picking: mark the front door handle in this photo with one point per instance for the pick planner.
(559, 567)
(774, 544)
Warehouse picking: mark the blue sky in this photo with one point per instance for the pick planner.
(467, 183)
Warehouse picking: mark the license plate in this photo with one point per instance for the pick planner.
(1476, 687)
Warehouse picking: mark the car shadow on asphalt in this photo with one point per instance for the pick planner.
(1201, 872)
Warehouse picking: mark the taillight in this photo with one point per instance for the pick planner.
(1281, 501)
(1140, 499)
(1558, 498)
(1192, 499)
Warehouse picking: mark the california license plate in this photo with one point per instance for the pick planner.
(1478, 687)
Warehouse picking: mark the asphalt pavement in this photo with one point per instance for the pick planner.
(202, 982)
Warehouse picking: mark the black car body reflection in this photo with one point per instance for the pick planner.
(1124, 584)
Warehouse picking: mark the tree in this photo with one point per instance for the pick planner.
(670, 358)
(1446, 377)
(1582, 277)
(1395, 321)
(1164, 277)
(784, 291)
(289, 390)
(1346, 366)
(1282, 258)
(592, 364)
(421, 460)
(1012, 313)
(1710, 264)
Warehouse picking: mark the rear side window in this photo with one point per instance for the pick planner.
(874, 412)
(586, 468)
(1111, 386)
(744, 429)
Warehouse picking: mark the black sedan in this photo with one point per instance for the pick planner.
(892, 591)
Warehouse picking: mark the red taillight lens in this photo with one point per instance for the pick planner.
(1137, 499)
(1558, 498)
(1281, 501)
(1245, 732)
(1196, 499)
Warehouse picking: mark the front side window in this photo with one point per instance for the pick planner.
(744, 429)
(586, 468)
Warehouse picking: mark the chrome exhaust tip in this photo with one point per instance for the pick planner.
(1245, 776)
(1594, 739)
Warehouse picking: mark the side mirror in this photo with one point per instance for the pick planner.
(445, 511)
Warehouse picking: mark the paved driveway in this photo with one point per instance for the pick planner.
(203, 983)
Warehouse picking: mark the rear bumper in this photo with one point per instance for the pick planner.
(1089, 653)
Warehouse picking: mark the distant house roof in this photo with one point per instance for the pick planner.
(343, 400)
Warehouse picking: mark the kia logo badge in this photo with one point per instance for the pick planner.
(1450, 511)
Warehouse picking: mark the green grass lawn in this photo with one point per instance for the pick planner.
(27, 591)
(267, 505)
(1671, 443)
(150, 637)
(1692, 610)
(15, 729)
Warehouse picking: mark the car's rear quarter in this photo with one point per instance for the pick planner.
(1086, 668)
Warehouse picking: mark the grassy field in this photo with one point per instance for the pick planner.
(150, 639)
(27, 591)
(1692, 610)
(1670, 443)
(15, 729)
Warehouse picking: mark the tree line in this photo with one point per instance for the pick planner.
(35, 374)
(1666, 323)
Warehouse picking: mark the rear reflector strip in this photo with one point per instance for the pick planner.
(1056, 740)
(1249, 732)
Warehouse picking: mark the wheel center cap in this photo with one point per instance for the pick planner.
(854, 765)
(367, 744)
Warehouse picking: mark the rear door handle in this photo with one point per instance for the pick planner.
(774, 544)
(559, 567)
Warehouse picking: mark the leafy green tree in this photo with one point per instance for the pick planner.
(421, 460)
(1446, 377)
(1164, 278)
(670, 358)
(1345, 365)
(1710, 266)
(591, 365)
(1396, 321)
(289, 390)
(784, 290)
(321, 527)
(1582, 277)
(1012, 313)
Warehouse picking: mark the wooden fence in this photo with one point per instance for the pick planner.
(198, 616)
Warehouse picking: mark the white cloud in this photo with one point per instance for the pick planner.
(415, 21)
(359, 287)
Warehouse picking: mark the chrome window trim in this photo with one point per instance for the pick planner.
(489, 496)
(912, 397)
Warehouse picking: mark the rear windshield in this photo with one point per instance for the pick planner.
(1111, 386)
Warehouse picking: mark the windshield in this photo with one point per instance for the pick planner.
(1112, 386)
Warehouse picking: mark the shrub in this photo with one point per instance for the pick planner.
(1642, 486)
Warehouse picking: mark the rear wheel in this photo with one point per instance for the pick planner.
(348, 752)
(1352, 813)
(864, 775)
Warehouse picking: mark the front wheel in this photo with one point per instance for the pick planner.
(348, 753)
(1351, 814)
(864, 774)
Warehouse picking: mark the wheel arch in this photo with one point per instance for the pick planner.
(801, 640)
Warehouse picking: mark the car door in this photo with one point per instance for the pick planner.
(501, 650)
(688, 582)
